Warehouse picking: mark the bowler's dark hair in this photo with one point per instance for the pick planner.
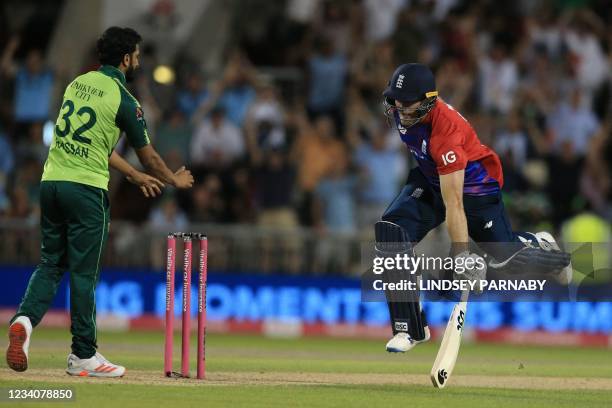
(114, 43)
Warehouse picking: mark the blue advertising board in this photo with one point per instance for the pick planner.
(327, 300)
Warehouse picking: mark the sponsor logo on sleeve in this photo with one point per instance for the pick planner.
(449, 157)
(140, 116)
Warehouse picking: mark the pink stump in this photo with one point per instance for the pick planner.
(186, 305)
(201, 365)
(170, 266)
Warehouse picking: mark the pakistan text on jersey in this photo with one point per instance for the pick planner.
(72, 149)
(85, 92)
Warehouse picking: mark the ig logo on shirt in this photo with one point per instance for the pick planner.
(449, 157)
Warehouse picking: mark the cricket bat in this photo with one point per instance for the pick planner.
(449, 348)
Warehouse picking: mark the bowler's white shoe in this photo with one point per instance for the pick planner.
(547, 242)
(402, 342)
(19, 343)
(96, 366)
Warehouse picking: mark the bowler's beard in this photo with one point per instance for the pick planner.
(129, 73)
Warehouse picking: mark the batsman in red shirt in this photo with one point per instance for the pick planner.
(457, 180)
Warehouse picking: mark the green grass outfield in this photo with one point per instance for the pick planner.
(255, 371)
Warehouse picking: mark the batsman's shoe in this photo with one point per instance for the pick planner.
(547, 242)
(19, 343)
(402, 342)
(96, 366)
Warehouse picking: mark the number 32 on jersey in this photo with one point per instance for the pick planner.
(64, 127)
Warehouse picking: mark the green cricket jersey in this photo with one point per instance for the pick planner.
(96, 108)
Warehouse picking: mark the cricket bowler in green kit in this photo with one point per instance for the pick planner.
(96, 109)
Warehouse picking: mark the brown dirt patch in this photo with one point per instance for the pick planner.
(139, 377)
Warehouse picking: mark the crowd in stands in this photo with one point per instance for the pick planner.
(533, 79)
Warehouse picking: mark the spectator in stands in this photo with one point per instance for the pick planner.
(372, 68)
(239, 195)
(21, 206)
(586, 53)
(274, 192)
(27, 176)
(335, 197)
(31, 144)
(410, 35)
(511, 144)
(380, 167)
(302, 12)
(234, 92)
(168, 216)
(336, 24)
(540, 87)
(314, 152)
(457, 37)
(381, 18)
(7, 161)
(565, 168)
(192, 95)
(238, 93)
(572, 123)
(174, 135)
(265, 121)
(274, 177)
(207, 203)
(335, 215)
(217, 142)
(361, 121)
(596, 184)
(544, 32)
(33, 84)
(454, 82)
(274, 189)
(498, 79)
(327, 73)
